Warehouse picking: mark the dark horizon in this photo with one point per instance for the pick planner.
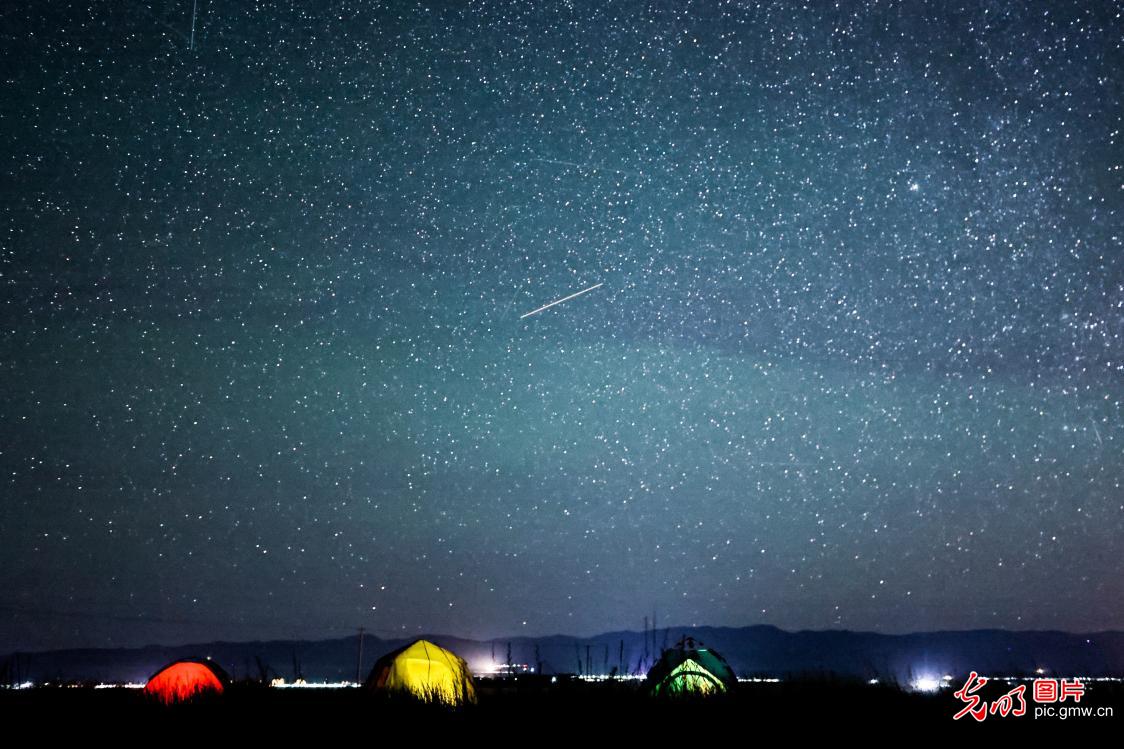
(842, 345)
(167, 629)
(760, 651)
(392, 636)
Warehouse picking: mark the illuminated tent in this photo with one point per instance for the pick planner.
(690, 669)
(426, 671)
(183, 680)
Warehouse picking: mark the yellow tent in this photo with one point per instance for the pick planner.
(426, 671)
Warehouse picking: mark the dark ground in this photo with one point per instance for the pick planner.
(537, 711)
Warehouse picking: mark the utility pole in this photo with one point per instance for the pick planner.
(359, 660)
(645, 639)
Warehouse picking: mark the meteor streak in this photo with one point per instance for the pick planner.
(559, 301)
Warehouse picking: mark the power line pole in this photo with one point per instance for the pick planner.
(359, 660)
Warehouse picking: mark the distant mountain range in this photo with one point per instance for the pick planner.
(752, 651)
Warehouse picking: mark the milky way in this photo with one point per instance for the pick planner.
(856, 360)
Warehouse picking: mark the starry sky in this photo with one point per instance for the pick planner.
(856, 359)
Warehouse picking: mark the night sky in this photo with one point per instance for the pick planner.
(856, 360)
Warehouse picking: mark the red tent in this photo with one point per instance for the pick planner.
(182, 680)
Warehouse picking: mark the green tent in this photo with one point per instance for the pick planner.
(690, 669)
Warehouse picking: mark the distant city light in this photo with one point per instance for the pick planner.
(302, 684)
(927, 684)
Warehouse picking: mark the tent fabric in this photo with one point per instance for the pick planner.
(690, 669)
(183, 680)
(692, 678)
(427, 671)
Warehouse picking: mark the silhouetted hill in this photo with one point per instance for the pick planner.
(752, 651)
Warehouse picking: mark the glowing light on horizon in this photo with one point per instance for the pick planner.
(302, 684)
(927, 684)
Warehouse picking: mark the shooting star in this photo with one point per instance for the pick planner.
(563, 299)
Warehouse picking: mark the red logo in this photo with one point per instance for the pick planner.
(1014, 702)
